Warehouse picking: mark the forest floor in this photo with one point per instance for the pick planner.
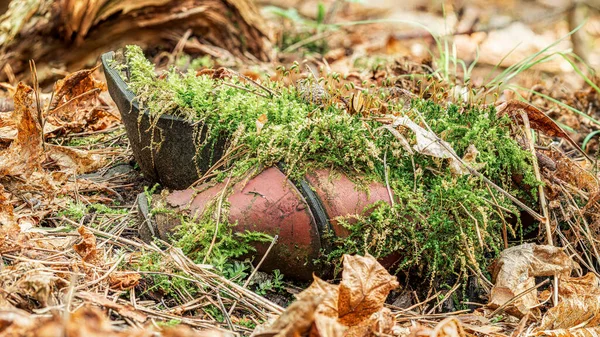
(73, 262)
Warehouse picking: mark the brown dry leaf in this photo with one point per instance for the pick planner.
(75, 106)
(124, 310)
(586, 285)
(24, 155)
(123, 280)
(30, 280)
(74, 160)
(329, 294)
(449, 327)
(572, 312)
(363, 290)
(260, 122)
(75, 85)
(379, 323)
(579, 304)
(325, 326)
(7, 217)
(579, 332)
(571, 172)
(296, 320)
(87, 248)
(516, 269)
(539, 120)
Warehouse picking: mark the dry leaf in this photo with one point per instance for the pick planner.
(586, 285)
(24, 155)
(30, 280)
(123, 280)
(539, 120)
(296, 320)
(260, 122)
(572, 312)
(124, 310)
(449, 327)
(516, 269)
(87, 248)
(325, 326)
(329, 294)
(7, 218)
(379, 323)
(74, 160)
(579, 332)
(73, 86)
(363, 290)
(579, 304)
(428, 144)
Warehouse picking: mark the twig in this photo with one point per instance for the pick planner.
(107, 274)
(273, 93)
(504, 225)
(306, 41)
(387, 180)
(479, 237)
(245, 89)
(543, 204)
(222, 307)
(538, 176)
(219, 204)
(247, 282)
(434, 296)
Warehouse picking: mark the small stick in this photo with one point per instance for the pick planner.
(214, 239)
(479, 237)
(256, 269)
(245, 89)
(538, 176)
(273, 93)
(387, 180)
(227, 318)
(98, 280)
(543, 204)
(504, 231)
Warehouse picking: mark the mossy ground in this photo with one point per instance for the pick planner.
(441, 222)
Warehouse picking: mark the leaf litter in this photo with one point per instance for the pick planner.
(42, 261)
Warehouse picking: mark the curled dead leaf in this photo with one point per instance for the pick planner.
(74, 160)
(364, 288)
(87, 247)
(325, 326)
(123, 280)
(449, 327)
(428, 144)
(7, 217)
(296, 320)
(124, 310)
(515, 271)
(329, 294)
(24, 154)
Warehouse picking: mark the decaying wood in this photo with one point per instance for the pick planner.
(66, 35)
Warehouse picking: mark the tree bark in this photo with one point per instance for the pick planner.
(66, 35)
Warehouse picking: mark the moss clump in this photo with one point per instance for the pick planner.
(441, 221)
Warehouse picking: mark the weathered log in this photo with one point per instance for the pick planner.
(66, 35)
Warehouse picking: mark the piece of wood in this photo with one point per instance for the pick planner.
(67, 35)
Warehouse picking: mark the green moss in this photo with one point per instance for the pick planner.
(172, 286)
(432, 225)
